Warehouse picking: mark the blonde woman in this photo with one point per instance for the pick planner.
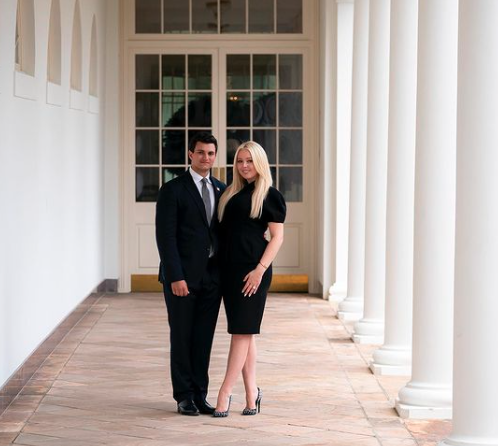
(249, 206)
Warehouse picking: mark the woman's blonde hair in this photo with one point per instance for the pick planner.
(262, 184)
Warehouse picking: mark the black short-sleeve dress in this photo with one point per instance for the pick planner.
(242, 244)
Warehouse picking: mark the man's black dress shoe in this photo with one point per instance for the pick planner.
(203, 406)
(187, 407)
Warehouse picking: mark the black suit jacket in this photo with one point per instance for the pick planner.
(183, 235)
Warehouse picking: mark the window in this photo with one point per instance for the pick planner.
(54, 44)
(94, 61)
(25, 37)
(76, 53)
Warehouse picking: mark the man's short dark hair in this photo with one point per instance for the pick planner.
(204, 137)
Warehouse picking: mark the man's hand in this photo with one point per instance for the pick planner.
(179, 288)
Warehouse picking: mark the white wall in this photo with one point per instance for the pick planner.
(52, 196)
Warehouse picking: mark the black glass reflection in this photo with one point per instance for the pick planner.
(147, 16)
(264, 110)
(233, 16)
(261, 16)
(173, 109)
(172, 172)
(147, 147)
(147, 72)
(204, 16)
(147, 110)
(289, 16)
(199, 72)
(173, 147)
(290, 109)
(199, 110)
(273, 170)
(238, 71)
(290, 183)
(176, 16)
(229, 175)
(173, 72)
(290, 147)
(290, 72)
(268, 140)
(264, 71)
(238, 109)
(234, 139)
(147, 183)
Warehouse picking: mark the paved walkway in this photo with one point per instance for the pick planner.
(108, 383)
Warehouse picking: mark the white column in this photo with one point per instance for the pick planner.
(345, 10)
(428, 394)
(394, 357)
(351, 308)
(475, 371)
(370, 329)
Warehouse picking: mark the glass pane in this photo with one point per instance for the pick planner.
(147, 72)
(199, 110)
(229, 175)
(268, 140)
(172, 172)
(173, 110)
(290, 147)
(238, 109)
(173, 72)
(192, 132)
(233, 16)
(234, 139)
(238, 71)
(204, 16)
(147, 109)
(264, 110)
(148, 16)
(174, 147)
(290, 108)
(261, 16)
(199, 72)
(290, 183)
(264, 72)
(290, 72)
(176, 16)
(147, 183)
(289, 16)
(273, 171)
(147, 146)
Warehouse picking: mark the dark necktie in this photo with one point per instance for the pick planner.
(206, 199)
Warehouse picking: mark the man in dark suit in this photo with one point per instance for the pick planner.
(187, 239)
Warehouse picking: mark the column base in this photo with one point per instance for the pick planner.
(369, 331)
(351, 305)
(346, 316)
(423, 413)
(393, 361)
(468, 441)
(390, 370)
(367, 339)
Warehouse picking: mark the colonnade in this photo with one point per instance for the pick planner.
(422, 254)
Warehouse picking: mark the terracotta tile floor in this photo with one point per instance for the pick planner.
(108, 383)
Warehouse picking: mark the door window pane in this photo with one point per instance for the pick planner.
(173, 72)
(172, 172)
(147, 146)
(261, 16)
(147, 109)
(199, 110)
(290, 109)
(147, 183)
(238, 71)
(290, 71)
(268, 140)
(233, 16)
(173, 147)
(234, 139)
(147, 72)
(148, 16)
(176, 16)
(264, 110)
(289, 16)
(199, 72)
(290, 183)
(173, 110)
(264, 71)
(204, 16)
(290, 147)
(238, 109)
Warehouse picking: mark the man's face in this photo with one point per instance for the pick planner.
(202, 158)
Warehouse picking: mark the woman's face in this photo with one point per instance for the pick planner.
(245, 166)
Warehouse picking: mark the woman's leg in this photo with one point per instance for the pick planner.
(239, 348)
(249, 375)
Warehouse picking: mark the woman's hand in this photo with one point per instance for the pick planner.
(252, 281)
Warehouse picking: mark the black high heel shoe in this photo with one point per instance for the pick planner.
(257, 409)
(223, 414)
